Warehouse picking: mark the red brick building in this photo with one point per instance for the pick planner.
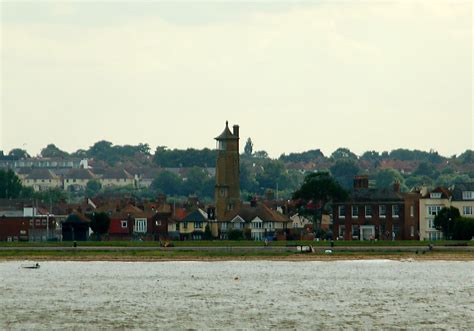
(370, 213)
(14, 228)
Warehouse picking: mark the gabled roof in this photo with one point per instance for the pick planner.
(198, 215)
(41, 174)
(249, 213)
(116, 174)
(79, 173)
(461, 187)
(226, 134)
(76, 218)
(445, 193)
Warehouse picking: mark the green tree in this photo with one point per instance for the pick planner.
(235, 234)
(463, 228)
(385, 178)
(319, 188)
(103, 150)
(273, 173)
(248, 182)
(207, 232)
(344, 171)
(52, 151)
(10, 185)
(418, 181)
(308, 156)
(198, 182)
(343, 154)
(93, 187)
(444, 220)
(370, 156)
(467, 157)
(168, 183)
(50, 196)
(100, 223)
(426, 169)
(248, 149)
(261, 155)
(19, 153)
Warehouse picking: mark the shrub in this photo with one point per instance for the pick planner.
(235, 235)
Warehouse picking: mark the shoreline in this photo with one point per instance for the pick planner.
(288, 258)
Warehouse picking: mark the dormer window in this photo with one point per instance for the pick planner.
(468, 195)
(435, 195)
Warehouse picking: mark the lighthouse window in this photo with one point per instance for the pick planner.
(222, 145)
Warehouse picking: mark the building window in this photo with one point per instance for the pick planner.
(368, 211)
(467, 210)
(355, 211)
(124, 224)
(198, 225)
(43, 222)
(342, 231)
(412, 211)
(468, 195)
(224, 226)
(435, 195)
(256, 225)
(185, 225)
(355, 232)
(342, 211)
(382, 211)
(412, 231)
(140, 225)
(32, 223)
(433, 210)
(431, 223)
(395, 230)
(395, 211)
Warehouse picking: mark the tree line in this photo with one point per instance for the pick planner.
(260, 174)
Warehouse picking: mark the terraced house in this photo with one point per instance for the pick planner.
(255, 221)
(41, 180)
(77, 179)
(117, 178)
(430, 205)
(193, 225)
(463, 199)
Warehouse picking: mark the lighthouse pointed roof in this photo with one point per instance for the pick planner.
(226, 134)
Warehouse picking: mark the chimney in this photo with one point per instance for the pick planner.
(253, 202)
(236, 131)
(161, 199)
(211, 213)
(361, 182)
(396, 186)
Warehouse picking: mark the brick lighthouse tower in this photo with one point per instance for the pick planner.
(227, 189)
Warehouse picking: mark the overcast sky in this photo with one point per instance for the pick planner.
(370, 75)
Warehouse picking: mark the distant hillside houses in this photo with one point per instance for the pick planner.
(42, 174)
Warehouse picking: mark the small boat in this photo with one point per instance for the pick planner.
(30, 266)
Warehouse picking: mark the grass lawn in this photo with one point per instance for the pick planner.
(229, 243)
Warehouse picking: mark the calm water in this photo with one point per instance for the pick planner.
(249, 295)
